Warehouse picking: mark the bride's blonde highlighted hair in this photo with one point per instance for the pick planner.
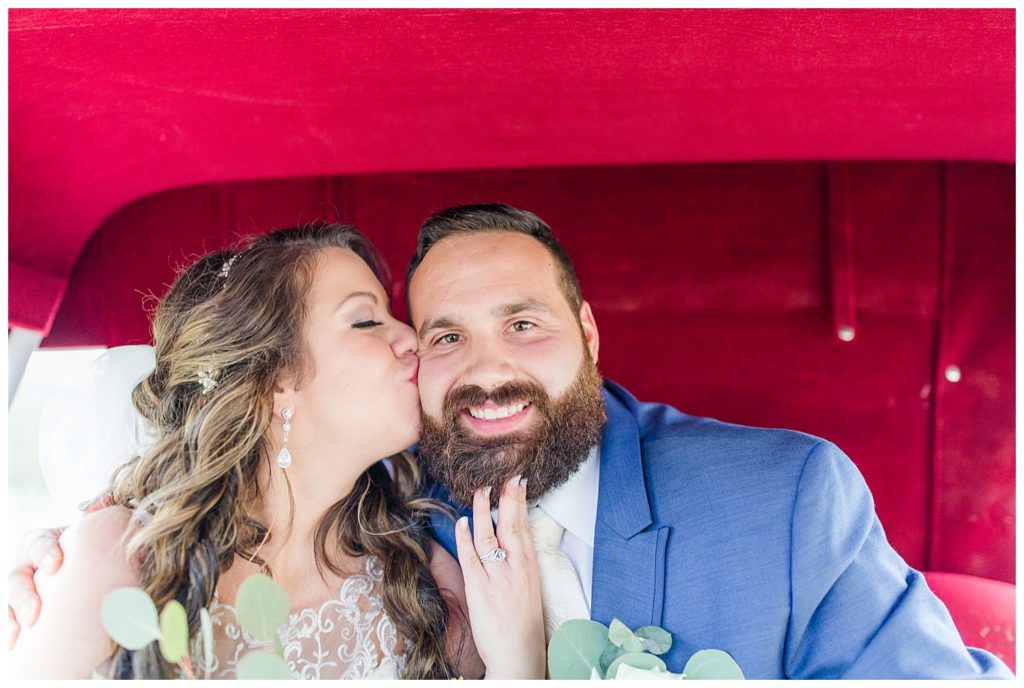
(236, 319)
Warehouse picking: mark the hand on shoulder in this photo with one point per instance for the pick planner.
(95, 563)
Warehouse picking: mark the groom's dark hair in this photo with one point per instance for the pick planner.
(495, 217)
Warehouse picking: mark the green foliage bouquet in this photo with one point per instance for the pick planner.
(583, 649)
(130, 617)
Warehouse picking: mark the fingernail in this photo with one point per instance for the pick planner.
(463, 523)
(514, 480)
(522, 481)
(487, 491)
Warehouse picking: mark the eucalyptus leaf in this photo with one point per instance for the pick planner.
(655, 639)
(278, 647)
(610, 654)
(638, 660)
(262, 665)
(712, 664)
(627, 673)
(619, 633)
(206, 633)
(173, 632)
(129, 617)
(575, 649)
(262, 606)
(633, 644)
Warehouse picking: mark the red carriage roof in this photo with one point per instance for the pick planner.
(109, 106)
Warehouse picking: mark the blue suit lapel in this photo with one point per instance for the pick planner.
(629, 563)
(442, 525)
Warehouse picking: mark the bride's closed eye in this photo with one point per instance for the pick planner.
(367, 324)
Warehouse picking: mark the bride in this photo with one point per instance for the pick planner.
(281, 380)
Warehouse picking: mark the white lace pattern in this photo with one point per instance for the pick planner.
(349, 636)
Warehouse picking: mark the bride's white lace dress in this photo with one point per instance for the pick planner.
(348, 636)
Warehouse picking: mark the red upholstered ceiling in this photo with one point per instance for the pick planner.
(678, 154)
(713, 287)
(110, 106)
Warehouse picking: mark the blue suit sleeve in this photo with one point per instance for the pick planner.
(858, 610)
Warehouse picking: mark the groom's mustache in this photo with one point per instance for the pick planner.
(467, 396)
(547, 452)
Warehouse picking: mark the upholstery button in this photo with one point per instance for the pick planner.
(953, 373)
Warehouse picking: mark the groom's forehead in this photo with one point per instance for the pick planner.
(455, 273)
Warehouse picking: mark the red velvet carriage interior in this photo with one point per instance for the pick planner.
(792, 218)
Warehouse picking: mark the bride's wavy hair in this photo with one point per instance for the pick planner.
(237, 318)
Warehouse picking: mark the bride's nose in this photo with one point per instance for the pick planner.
(403, 341)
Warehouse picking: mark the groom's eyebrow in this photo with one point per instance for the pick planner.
(441, 323)
(502, 311)
(508, 309)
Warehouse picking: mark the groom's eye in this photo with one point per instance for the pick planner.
(449, 338)
(521, 325)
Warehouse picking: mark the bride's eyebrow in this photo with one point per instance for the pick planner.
(357, 294)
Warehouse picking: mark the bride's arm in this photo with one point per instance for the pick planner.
(459, 645)
(68, 640)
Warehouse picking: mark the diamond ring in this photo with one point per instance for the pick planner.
(496, 554)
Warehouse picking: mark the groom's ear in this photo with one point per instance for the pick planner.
(590, 333)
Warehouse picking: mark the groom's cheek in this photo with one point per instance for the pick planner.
(435, 380)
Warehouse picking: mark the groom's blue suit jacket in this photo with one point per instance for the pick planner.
(762, 543)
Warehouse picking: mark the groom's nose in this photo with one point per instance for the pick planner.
(489, 365)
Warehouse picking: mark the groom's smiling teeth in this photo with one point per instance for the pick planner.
(496, 413)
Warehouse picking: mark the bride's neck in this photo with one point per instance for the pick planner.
(293, 505)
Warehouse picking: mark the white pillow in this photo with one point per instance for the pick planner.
(92, 429)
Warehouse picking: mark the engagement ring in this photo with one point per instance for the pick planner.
(496, 554)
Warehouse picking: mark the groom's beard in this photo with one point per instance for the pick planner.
(548, 453)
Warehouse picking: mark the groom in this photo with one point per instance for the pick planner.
(762, 543)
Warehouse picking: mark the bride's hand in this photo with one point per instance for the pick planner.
(503, 596)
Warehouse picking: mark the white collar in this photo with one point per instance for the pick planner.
(574, 503)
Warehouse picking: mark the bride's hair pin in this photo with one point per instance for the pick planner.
(226, 267)
(208, 379)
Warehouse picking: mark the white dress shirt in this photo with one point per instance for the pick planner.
(574, 506)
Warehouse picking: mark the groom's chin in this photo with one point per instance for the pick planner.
(465, 473)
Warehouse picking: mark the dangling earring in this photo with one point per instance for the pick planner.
(284, 457)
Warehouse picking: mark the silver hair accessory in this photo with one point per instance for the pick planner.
(496, 554)
(208, 379)
(284, 457)
(226, 267)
